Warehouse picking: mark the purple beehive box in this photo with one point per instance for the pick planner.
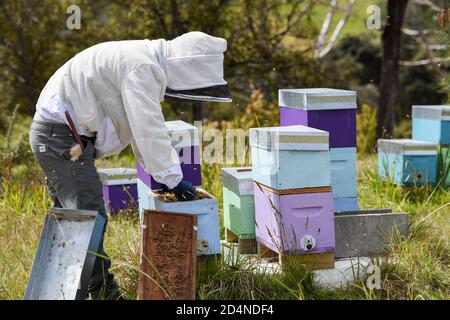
(185, 140)
(119, 188)
(329, 110)
(299, 223)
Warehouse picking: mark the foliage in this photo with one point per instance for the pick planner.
(257, 58)
(15, 153)
(403, 130)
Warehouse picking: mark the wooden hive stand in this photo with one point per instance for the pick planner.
(311, 261)
(245, 246)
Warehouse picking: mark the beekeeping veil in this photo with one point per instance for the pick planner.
(193, 64)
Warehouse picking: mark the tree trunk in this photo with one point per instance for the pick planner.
(389, 82)
(200, 111)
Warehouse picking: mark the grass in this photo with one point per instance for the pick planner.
(415, 268)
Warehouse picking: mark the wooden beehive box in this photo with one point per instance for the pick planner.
(290, 157)
(406, 161)
(343, 179)
(299, 221)
(431, 123)
(168, 261)
(238, 204)
(206, 210)
(185, 140)
(119, 188)
(331, 110)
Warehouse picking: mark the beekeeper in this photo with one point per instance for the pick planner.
(108, 96)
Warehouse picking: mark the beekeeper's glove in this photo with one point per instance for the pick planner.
(184, 191)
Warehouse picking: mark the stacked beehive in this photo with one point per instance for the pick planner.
(415, 161)
(119, 188)
(432, 124)
(185, 140)
(292, 193)
(333, 111)
(239, 208)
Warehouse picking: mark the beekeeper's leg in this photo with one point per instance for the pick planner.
(75, 183)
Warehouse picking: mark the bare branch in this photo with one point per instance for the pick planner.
(424, 38)
(429, 4)
(337, 30)
(291, 22)
(423, 62)
(325, 27)
(412, 32)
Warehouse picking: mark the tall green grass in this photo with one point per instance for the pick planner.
(414, 268)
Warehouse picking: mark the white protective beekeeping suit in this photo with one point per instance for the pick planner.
(114, 90)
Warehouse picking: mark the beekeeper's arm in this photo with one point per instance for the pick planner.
(141, 93)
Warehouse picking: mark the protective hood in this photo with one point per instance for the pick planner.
(193, 64)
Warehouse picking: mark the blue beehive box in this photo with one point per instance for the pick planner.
(407, 161)
(345, 204)
(290, 157)
(343, 172)
(343, 179)
(431, 123)
(206, 209)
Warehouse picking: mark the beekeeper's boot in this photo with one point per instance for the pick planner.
(109, 291)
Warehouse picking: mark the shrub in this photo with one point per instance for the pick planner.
(366, 129)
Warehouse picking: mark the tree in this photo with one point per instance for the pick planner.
(389, 80)
(268, 42)
(26, 58)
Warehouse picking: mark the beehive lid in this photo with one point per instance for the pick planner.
(289, 138)
(182, 134)
(116, 176)
(64, 261)
(440, 113)
(317, 99)
(238, 180)
(407, 147)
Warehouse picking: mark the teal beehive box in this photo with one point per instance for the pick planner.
(238, 203)
(290, 157)
(431, 123)
(406, 161)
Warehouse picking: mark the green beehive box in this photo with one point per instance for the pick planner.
(238, 204)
